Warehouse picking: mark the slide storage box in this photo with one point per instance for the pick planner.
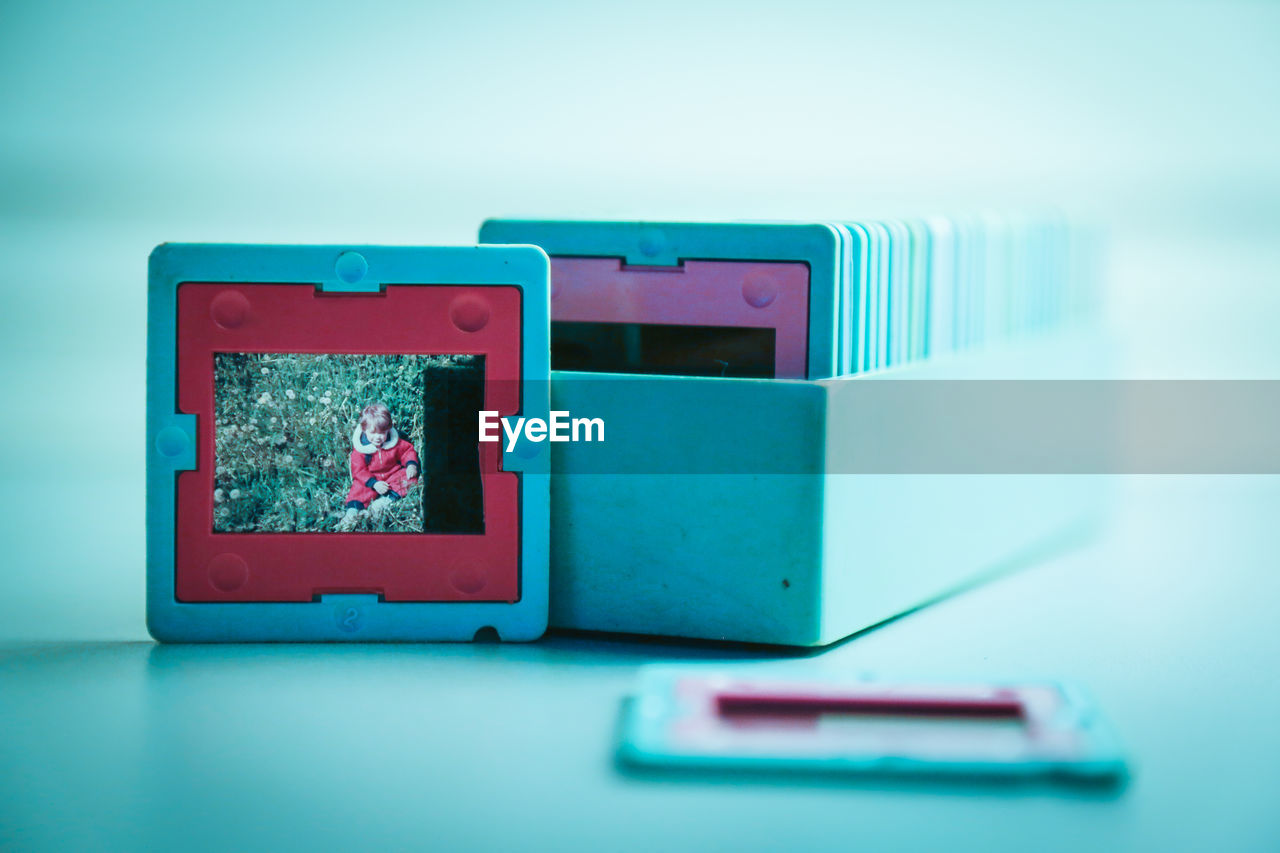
(765, 539)
(730, 499)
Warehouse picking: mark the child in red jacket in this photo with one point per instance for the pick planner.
(383, 465)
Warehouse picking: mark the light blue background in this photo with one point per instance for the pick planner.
(124, 124)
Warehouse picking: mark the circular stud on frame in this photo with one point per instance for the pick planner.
(468, 581)
(652, 242)
(351, 267)
(229, 309)
(228, 572)
(469, 312)
(759, 290)
(172, 442)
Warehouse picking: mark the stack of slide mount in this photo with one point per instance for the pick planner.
(732, 499)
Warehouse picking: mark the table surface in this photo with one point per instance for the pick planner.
(1168, 618)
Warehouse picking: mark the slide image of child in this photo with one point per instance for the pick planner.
(341, 443)
(384, 465)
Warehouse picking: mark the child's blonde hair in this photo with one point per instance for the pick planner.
(376, 417)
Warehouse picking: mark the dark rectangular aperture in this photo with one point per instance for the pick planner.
(655, 348)
(763, 705)
(453, 503)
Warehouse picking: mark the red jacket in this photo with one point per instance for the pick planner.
(388, 463)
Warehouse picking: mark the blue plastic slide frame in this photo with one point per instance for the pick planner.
(661, 729)
(171, 442)
(668, 243)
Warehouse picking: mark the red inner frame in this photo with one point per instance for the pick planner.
(403, 319)
(780, 719)
(746, 294)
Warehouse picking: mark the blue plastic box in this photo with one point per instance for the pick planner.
(671, 528)
(798, 559)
